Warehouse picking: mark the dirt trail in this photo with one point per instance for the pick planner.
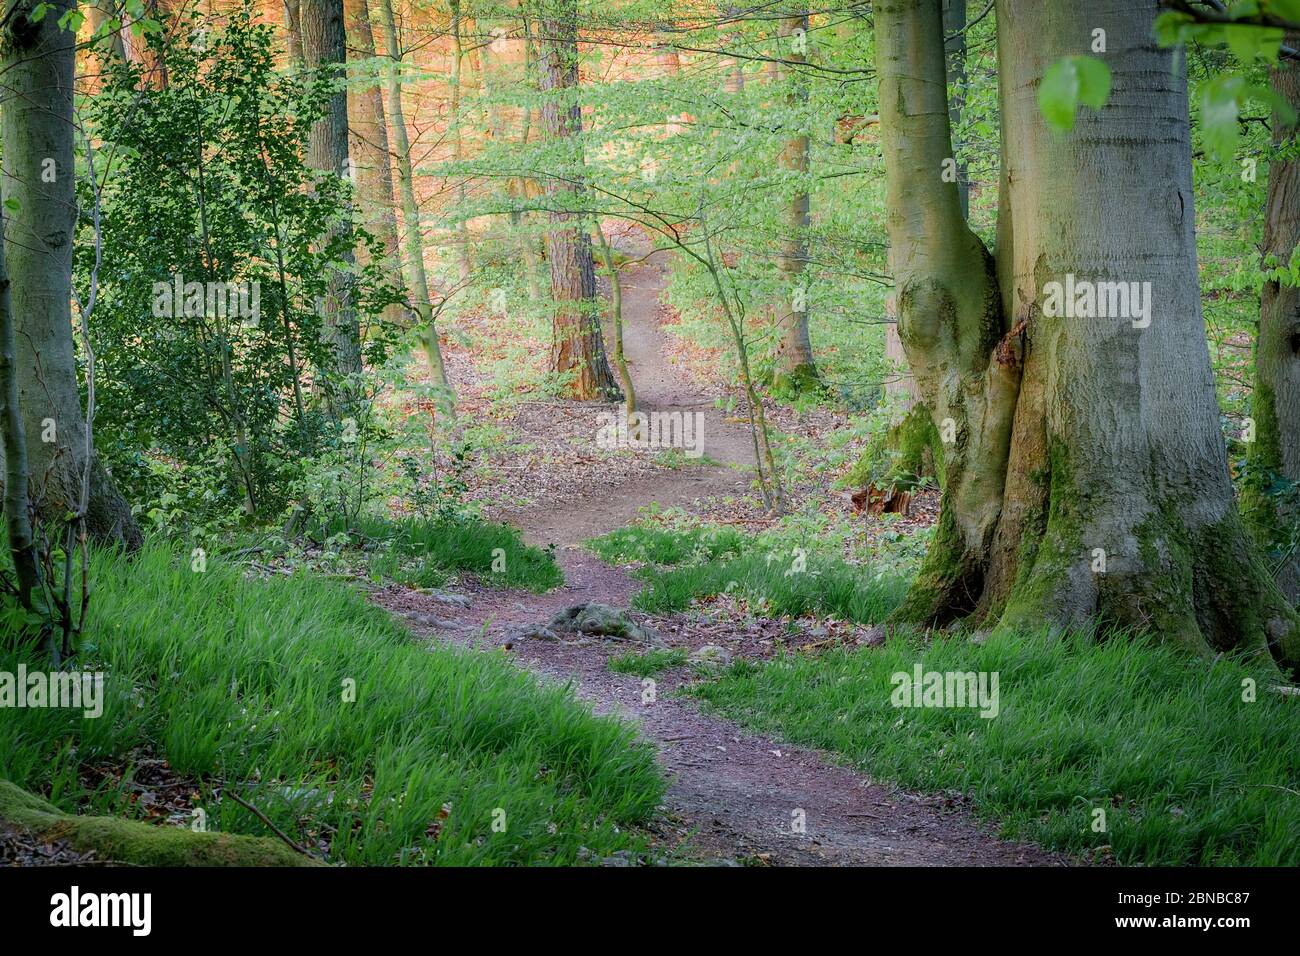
(735, 796)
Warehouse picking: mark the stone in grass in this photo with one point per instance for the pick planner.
(534, 632)
(601, 620)
(711, 655)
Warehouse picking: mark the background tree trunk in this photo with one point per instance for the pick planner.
(417, 280)
(576, 344)
(464, 261)
(293, 31)
(36, 87)
(1275, 404)
(368, 144)
(795, 369)
(325, 54)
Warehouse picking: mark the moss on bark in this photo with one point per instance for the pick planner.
(140, 844)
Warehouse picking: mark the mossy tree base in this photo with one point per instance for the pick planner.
(140, 844)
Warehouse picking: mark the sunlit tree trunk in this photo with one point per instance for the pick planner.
(100, 13)
(39, 186)
(464, 261)
(293, 31)
(417, 280)
(368, 143)
(325, 54)
(795, 369)
(577, 349)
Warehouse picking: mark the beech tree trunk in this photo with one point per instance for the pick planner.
(13, 450)
(1273, 460)
(1087, 478)
(417, 279)
(368, 145)
(795, 369)
(39, 181)
(576, 345)
(325, 54)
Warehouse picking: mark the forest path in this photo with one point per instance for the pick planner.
(734, 796)
(661, 386)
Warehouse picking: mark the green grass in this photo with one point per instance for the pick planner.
(243, 680)
(688, 563)
(647, 664)
(431, 553)
(656, 544)
(1187, 772)
(775, 587)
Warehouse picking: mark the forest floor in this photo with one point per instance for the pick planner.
(735, 797)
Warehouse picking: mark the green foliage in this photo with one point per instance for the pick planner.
(1068, 83)
(246, 681)
(213, 250)
(1186, 771)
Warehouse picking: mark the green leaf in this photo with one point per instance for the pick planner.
(1067, 83)
(1220, 107)
(1094, 81)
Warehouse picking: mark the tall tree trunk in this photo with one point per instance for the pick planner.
(417, 280)
(368, 142)
(325, 54)
(293, 31)
(1274, 456)
(911, 427)
(949, 319)
(464, 263)
(795, 369)
(576, 345)
(954, 30)
(13, 450)
(39, 181)
(100, 13)
(1111, 504)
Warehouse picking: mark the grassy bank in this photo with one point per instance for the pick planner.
(1186, 771)
(329, 719)
(686, 564)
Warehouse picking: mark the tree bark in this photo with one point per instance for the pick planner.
(946, 298)
(1273, 459)
(464, 262)
(577, 349)
(100, 12)
(417, 279)
(36, 91)
(325, 54)
(1108, 501)
(368, 143)
(13, 450)
(293, 31)
(795, 369)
